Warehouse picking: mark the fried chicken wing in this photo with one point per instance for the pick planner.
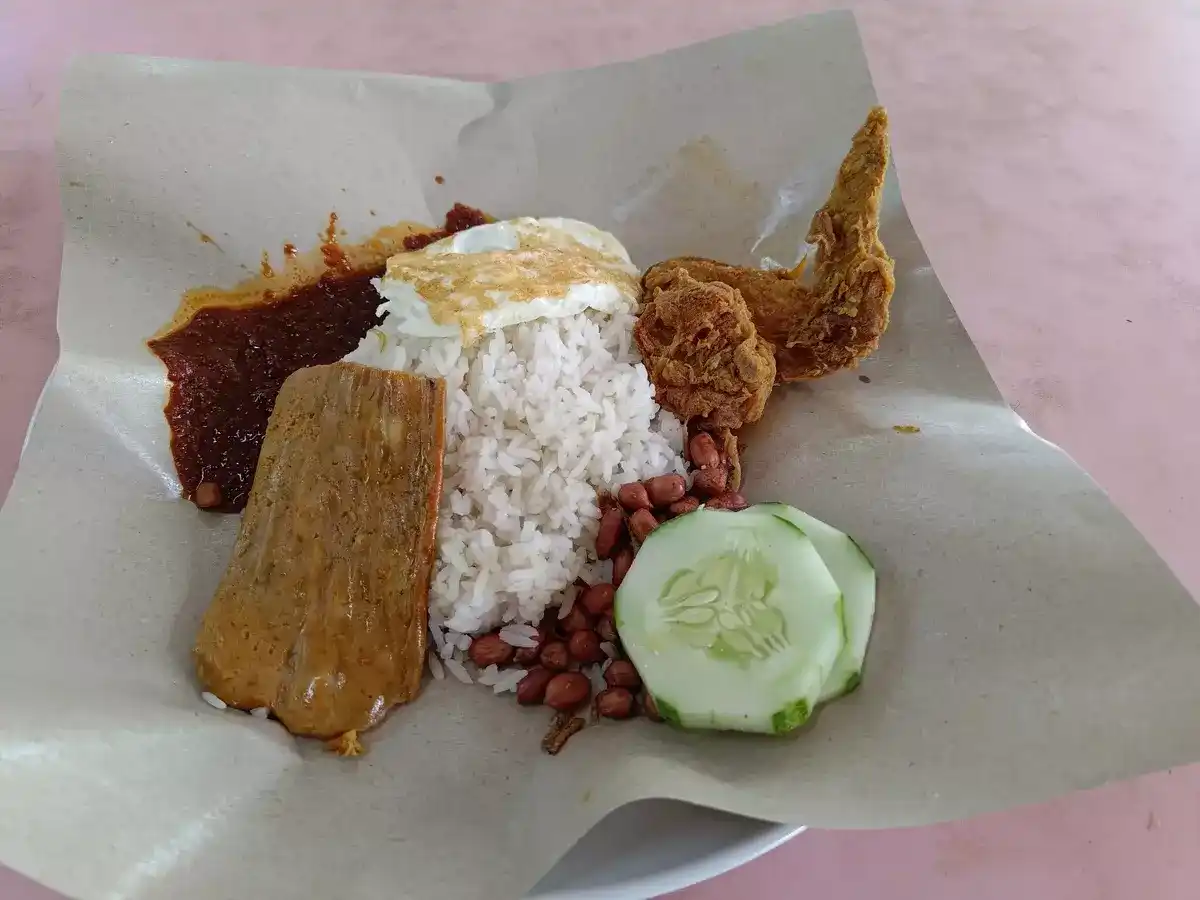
(703, 354)
(839, 320)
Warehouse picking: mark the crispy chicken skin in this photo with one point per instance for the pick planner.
(703, 354)
(838, 321)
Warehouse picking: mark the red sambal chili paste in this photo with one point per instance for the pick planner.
(227, 364)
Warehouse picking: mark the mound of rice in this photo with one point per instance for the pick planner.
(539, 416)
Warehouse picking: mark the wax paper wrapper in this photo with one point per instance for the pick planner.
(1028, 641)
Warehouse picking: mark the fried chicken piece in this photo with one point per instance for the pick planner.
(346, 745)
(838, 321)
(773, 298)
(703, 353)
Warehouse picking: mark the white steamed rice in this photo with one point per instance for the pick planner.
(538, 417)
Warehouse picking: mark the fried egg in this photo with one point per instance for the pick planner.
(505, 273)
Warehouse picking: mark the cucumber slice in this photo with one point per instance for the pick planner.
(732, 620)
(855, 575)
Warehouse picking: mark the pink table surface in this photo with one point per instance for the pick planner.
(1050, 155)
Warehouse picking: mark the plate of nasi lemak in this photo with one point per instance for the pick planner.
(588, 488)
(556, 512)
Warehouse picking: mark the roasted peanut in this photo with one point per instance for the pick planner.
(641, 523)
(585, 647)
(567, 691)
(664, 490)
(490, 650)
(555, 656)
(730, 500)
(615, 703)
(703, 451)
(607, 629)
(527, 656)
(633, 496)
(208, 495)
(710, 482)
(531, 689)
(597, 599)
(612, 528)
(576, 619)
(621, 564)
(621, 673)
(684, 506)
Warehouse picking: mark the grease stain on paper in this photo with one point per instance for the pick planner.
(698, 182)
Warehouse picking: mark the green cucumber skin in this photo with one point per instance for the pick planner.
(790, 717)
(669, 713)
(855, 679)
(787, 719)
(858, 547)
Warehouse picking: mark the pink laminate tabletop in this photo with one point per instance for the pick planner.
(1049, 154)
